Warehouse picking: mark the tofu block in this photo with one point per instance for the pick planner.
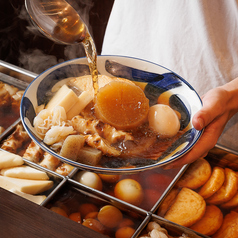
(64, 97)
(38, 199)
(8, 160)
(25, 185)
(83, 100)
(24, 172)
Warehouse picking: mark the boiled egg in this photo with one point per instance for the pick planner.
(125, 232)
(89, 179)
(110, 216)
(87, 208)
(93, 224)
(126, 222)
(75, 216)
(163, 120)
(93, 215)
(129, 191)
(59, 210)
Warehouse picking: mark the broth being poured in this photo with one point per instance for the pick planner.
(91, 53)
(59, 21)
(72, 29)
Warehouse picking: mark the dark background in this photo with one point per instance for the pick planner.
(21, 44)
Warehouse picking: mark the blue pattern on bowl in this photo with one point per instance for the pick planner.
(164, 81)
(156, 79)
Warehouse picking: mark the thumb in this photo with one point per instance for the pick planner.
(211, 110)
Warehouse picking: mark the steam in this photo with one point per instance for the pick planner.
(37, 53)
(36, 61)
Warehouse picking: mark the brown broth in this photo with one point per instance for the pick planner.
(146, 147)
(70, 28)
(148, 144)
(91, 54)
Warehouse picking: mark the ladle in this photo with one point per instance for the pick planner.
(60, 22)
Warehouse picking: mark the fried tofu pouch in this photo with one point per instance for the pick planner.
(187, 209)
(229, 228)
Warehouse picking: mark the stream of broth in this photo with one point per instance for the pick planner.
(91, 54)
(71, 29)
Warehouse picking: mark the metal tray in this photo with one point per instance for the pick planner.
(65, 183)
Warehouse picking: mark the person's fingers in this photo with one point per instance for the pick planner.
(212, 117)
(212, 108)
(207, 142)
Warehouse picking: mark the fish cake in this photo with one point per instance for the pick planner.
(229, 227)
(214, 183)
(227, 190)
(187, 209)
(210, 222)
(168, 201)
(196, 175)
(232, 203)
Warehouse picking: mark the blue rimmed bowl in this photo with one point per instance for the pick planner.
(156, 80)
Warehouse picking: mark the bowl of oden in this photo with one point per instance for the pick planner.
(139, 118)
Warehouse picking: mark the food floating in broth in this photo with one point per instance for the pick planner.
(89, 179)
(117, 127)
(129, 190)
(163, 120)
(122, 105)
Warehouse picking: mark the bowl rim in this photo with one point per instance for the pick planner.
(107, 170)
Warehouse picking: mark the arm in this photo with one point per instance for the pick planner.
(219, 105)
